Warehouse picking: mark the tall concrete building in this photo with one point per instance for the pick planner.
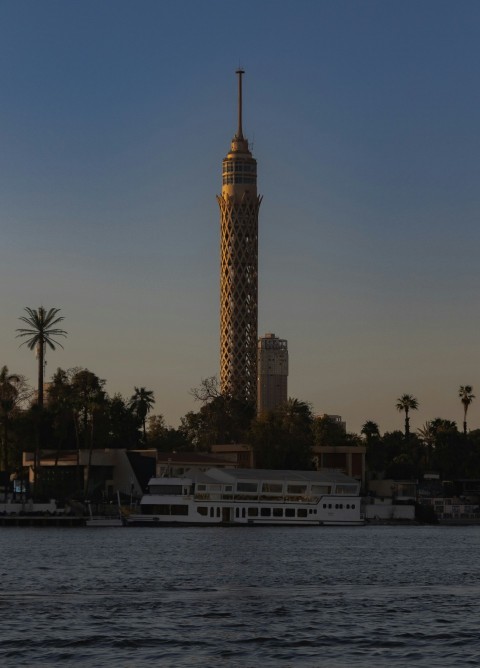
(239, 206)
(272, 366)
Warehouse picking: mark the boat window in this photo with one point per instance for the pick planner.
(201, 488)
(160, 509)
(296, 489)
(265, 512)
(253, 512)
(211, 512)
(272, 487)
(218, 512)
(289, 512)
(324, 505)
(329, 505)
(353, 506)
(202, 510)
(321, 489)
(302, 512)
(179, 510)
(247, 486)
(278, 512)
(229, 488)
(346, 489)
(214, 488)
(237, 512)
(243, 512)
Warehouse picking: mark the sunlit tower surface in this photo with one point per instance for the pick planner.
(239, 206)
(272, 367)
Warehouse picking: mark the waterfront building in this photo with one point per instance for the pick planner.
(335, 419)
(272, 371)
(241, 454)
(347, 458)
(239, 206)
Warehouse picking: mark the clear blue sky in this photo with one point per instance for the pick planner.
(114, 119)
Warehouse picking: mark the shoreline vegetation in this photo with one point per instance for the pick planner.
(71, 411)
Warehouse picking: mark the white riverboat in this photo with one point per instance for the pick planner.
(237, 497)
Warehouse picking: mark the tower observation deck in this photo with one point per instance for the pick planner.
(239, 206)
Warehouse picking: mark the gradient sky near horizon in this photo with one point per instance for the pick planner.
(364, 117)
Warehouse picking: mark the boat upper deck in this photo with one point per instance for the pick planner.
(285, 486)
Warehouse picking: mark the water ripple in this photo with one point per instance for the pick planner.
(396, 596)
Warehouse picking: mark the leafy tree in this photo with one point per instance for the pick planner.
(165, 438)
(406, 403)
(268, 441)
(352, 439)
(220, 420)
(120, 425)
(194, 431)
(42, 332)
(89, 400)
(472, 465)
(296, 419)
(208, 389)
(450, 453)
(141, 404)
(283, 438)
(156, 428)
(466, 395)
(13, 390)
(380, 453)
(62, 403)
(87, 394)
(401, 467)
(327, 432)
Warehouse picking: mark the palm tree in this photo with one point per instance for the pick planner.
(466, 397)
(41, 332)
(407, 402)
(427, 435)
(141, 404)
(370, 430)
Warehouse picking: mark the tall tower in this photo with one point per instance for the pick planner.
(239, 206)
(272, 373)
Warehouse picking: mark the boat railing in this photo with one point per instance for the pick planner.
(263, 498)
(208, 496)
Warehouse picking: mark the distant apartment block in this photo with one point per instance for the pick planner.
(272, 373)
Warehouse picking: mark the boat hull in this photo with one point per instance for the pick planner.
(143, 521)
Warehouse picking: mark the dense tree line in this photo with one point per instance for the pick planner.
(76, 412)
(438, 446)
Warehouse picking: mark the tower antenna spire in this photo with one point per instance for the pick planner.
(240, 72)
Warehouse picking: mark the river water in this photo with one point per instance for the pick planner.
(240, 597)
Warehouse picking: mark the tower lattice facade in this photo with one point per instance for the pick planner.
(239, 206)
